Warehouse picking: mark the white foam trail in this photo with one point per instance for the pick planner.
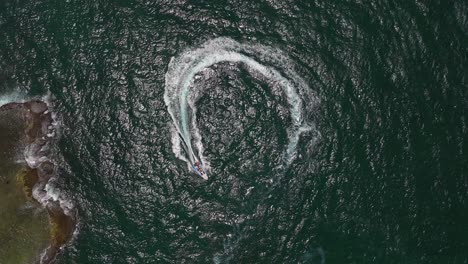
(259, 59)
(177, 145)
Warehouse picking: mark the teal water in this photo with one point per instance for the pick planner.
(382, 178)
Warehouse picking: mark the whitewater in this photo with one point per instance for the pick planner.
(271, 63)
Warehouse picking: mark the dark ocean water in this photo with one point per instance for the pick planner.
(383, 179)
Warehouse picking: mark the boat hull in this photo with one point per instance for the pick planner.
(200, 171)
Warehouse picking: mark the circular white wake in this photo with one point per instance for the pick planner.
(259, 59)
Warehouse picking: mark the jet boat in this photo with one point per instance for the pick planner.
(198, 168)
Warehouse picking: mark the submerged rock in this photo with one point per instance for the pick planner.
(33, 226)
(37, 107)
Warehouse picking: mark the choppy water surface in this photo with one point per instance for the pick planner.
(366, 102)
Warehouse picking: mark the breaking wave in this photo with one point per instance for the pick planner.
(12, 97)
(269, 62)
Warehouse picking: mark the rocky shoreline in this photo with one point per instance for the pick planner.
(40, 129)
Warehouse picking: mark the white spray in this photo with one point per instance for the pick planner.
(259, 59)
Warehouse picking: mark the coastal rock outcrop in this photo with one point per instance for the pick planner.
(27, 129)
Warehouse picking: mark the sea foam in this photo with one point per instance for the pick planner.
(269, 62)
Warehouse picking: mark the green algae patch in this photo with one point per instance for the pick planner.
(24, 224)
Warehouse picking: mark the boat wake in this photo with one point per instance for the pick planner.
(180, 96)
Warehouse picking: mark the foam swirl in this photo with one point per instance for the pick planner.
(269, 62)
